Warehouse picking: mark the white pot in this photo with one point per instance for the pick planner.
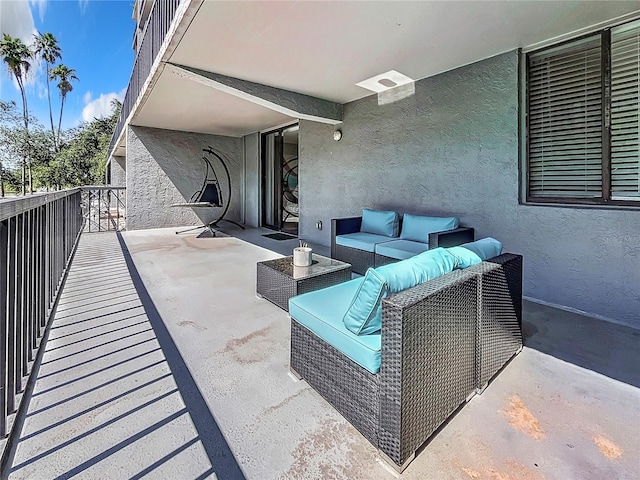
(302, 256)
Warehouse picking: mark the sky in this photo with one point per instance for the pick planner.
(96, 39)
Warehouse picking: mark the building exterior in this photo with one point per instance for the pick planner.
(521, 118)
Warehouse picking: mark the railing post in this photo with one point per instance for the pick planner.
(4, 301)
(11, 315)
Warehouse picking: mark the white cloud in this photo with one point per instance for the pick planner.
(16, 20)
(41, 5)
(101, 106)
(83, 5)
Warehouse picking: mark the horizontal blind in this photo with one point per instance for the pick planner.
(565, 120)
(625, 112)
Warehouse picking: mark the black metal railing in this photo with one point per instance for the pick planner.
(155, 31)
(104, 208)
(38, 235)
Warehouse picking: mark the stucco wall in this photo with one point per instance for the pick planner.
(166, 167)
(118, 167)
(452, 148)
(252, 179)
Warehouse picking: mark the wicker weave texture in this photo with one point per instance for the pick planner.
(275, 286)
(351, 389)
(500, 325)
(428, 356)
(360, 260)
(381, 260)
(278, 288)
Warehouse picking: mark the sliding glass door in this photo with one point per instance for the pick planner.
(280, 200)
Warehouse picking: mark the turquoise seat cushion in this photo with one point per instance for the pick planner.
(485, 248)
(322, 311)
(364, 314)
(361, 240)
(380, 222)
(416, 270)
(418, 228)
(401, 249)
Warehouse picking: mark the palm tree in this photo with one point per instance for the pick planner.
(46, 47)
(64, 75)
(16, 56)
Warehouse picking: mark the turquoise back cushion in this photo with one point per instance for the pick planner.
(485, 248)
(418, 228)
(416, 270)
(364, 315)
(464, 257)
(365, 312)
(380, 222)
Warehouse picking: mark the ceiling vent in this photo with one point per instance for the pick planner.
(385, 81)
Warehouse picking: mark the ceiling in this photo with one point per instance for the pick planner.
(324, 48)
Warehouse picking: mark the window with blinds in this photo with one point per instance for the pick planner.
(583, 119)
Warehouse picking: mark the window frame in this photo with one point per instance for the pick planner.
(523, 126)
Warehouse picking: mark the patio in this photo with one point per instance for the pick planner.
(162, 362)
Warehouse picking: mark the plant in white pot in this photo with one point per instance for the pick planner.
(302, 255)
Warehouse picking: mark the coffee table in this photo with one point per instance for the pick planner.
(278, 280)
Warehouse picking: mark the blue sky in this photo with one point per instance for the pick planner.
(95, 37)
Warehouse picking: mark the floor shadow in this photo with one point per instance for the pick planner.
(604, 347)
(112, 390)
(215, 445)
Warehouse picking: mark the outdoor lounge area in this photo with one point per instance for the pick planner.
(298, 286)
(176, 369)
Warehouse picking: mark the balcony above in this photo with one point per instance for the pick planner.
(324, 49)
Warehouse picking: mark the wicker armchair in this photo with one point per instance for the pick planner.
(360, 260)
(442, 341)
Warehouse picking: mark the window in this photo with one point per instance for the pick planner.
(583, 120)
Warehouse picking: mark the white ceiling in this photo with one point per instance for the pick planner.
(324, 48)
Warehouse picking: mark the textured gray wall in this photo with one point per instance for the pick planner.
(165, 167)
(452, 148)
(118, 171)
(252, 179)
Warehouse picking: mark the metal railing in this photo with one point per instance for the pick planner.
(38, 235)
(160, 19)
(104, 208)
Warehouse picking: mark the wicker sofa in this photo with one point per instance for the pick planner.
(392, 246)
(441, 342)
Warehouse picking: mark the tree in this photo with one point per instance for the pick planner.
(46, 47)
(65, 76)
(16, 56)
(82, 156)
(14, 141)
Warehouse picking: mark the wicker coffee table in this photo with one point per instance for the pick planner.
(278, 280)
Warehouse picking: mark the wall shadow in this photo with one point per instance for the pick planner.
(604, 347)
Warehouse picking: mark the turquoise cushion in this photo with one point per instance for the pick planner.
(485, 248)
(418, 228)
(361, 240)
(401, 249)
(416, 270)
(322, 312)
(364, 315)
(464, 257)
(380, 222)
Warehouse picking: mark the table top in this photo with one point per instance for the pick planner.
(320, 266)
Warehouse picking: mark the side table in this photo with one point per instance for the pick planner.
(278, 280)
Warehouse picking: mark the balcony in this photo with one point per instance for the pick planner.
(160, 361)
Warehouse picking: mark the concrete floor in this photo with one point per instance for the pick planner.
(162, 363)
